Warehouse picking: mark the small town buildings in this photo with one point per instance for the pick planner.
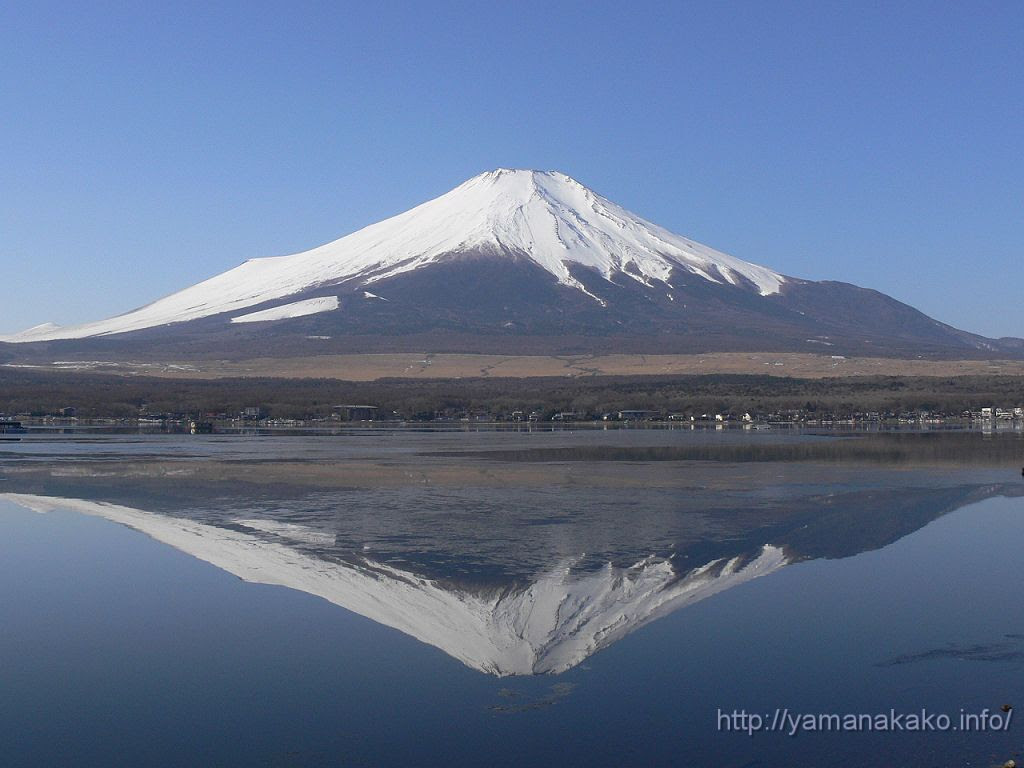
(635, 415)
(356, 412)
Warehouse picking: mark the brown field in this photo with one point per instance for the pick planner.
(369, 367)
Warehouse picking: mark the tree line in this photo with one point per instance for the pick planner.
(103, 395)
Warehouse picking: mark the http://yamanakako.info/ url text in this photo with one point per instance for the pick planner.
(794, 723)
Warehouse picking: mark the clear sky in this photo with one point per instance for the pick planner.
(145, 146)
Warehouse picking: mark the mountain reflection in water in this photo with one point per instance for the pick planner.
(552, 618)
(515, 554)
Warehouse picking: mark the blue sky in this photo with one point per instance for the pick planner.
(146, 146)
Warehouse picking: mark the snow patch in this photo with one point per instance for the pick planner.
(286, 311)
(290, 531)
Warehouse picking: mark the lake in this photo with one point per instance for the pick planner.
(587, 597)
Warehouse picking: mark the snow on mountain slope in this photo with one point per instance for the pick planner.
(295, 309)
(36, 333)
(545, 627)
(547, 216)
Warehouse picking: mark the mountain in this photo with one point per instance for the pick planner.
(515, 261)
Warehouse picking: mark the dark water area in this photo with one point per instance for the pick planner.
(431, 598)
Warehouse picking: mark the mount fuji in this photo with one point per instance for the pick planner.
(515, 261)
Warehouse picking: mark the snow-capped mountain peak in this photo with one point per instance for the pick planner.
(546, 217)
(557, 222)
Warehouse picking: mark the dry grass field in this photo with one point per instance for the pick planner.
(369, 367)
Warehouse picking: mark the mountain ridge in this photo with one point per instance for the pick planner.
(518, 260)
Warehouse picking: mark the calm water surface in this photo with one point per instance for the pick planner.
(392, 597)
